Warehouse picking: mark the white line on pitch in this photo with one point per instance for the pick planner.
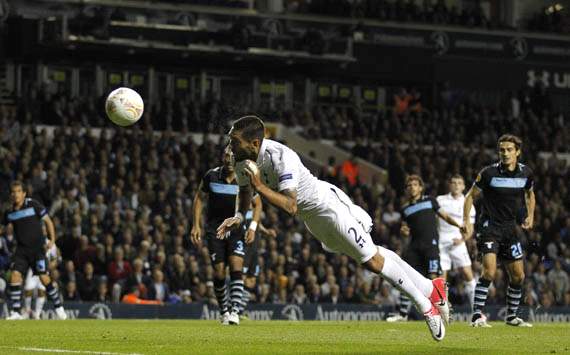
(42, 350)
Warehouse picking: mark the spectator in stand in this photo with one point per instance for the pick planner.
(133, 297)
(87, 283)
(158, 290)
(119, 270)
(402, 102)
(349, 170)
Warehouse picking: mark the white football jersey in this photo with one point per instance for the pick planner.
(454, 208)
(281, 169)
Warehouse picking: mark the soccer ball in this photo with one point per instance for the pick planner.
(124, 106)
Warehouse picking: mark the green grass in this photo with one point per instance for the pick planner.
(276, 337)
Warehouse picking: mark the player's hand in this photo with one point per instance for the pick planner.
(49, 244)
(467, 230)
(252, 172)
(227, 226)
(528, 223)
(196, 235)
(405, 230)
(249, 236)
(457, 241)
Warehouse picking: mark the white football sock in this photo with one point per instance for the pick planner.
(394, 273)
(470, 290)
(40, 301)
(422, 283)
(27, 303)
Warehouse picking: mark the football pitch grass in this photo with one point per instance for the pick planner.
(112, 337)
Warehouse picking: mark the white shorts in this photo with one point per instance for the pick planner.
(33, 282)
(453, 255)
(343, 227)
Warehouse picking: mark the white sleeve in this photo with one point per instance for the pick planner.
(287, 168)
(241, 177)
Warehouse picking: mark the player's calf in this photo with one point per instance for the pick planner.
(439, 298)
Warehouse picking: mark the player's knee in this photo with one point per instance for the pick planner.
(375, 264)
(16, 277)
(220, 271)
(489, 274)
(517, 279)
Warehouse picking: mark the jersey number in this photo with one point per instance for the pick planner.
(358, 239)
(516, 250)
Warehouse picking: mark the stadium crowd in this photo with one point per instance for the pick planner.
(122, 203)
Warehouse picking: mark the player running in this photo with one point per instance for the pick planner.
(276, 173)
(507, 189)
(26, 217)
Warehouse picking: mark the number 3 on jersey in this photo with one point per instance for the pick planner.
(358, 239)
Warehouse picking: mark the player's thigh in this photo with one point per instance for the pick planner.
(459, 256)
(235, 245)
(40, 263)
(20, 265)
(431, 261)
(445, 258)
(340, 232)
(415, 259)
(250, 262)
(216, 248)
(32, 282)
(510, 247)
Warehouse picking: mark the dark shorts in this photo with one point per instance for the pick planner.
(425, 259)
(250, 263)
(504, 241)
(221, 249)
(30, 258)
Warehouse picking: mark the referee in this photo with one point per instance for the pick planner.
(508, 201)
(26, 216)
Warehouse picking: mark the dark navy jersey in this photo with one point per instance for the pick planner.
(221, 196)
(27, 222)
(503, 193)
(421, 218)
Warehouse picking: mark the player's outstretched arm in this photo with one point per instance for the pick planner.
(197, 207)
(530, 201)
(448, 219)
(243, 202)
(473, 194)
(50, 229)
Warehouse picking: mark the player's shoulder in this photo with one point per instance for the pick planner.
(525, 169)
(212, 172)
(490, 169)
(32, 202)
(279, 153)
(442, 197)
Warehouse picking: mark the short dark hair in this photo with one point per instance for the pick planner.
(456, 176)
(414, 177)
(510, 138)
(251, 127)
(17, 183)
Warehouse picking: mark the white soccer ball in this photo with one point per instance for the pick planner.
(124, 106)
